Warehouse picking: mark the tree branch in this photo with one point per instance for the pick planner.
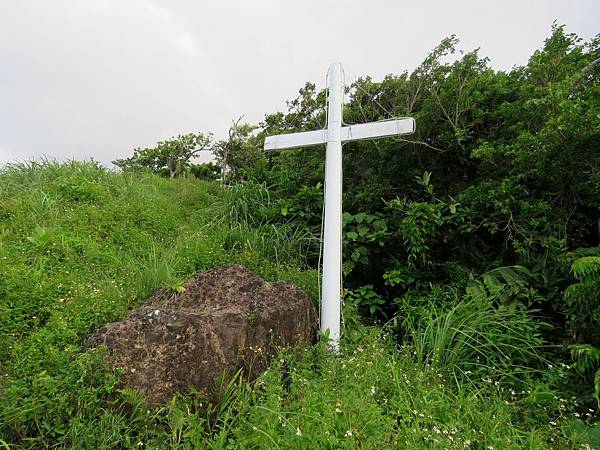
(584, 72)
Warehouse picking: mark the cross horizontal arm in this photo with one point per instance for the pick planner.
(294, 140)
(352, 133)
(373, 130)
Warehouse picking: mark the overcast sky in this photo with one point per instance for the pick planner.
(97, 78)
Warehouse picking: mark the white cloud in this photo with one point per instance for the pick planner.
(188, 46)
(100, 77)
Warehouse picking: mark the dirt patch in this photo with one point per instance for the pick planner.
(226, 319)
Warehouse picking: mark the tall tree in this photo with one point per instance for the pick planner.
(172, 155)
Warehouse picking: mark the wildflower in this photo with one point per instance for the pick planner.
(338, 410)
(372, 390)
(348, 433)
(298, 432)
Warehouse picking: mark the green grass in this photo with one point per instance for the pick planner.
(471, 338)
(81, 246)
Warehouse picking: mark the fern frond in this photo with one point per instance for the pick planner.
(585, 356)
(586, 267)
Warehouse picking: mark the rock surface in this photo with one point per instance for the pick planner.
(227, 318)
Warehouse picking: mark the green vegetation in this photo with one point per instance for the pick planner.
(171, 157)
(80, 247)
(472, 269)
(86, 245)
(476, 239)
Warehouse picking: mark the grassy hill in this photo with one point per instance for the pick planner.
(81, 246)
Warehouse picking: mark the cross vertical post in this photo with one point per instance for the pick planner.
(332, 240)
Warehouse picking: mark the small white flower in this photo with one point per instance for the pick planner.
(372, 390)
(298, 432)
(348, 433)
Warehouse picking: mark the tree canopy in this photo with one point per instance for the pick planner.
(172, 155)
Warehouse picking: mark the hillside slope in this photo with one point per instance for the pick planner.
(81, 246)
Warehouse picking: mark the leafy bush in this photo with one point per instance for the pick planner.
(363, 236)
(582, 299)
(366, 299)
(206, 171)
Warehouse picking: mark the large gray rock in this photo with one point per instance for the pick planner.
(227, 318)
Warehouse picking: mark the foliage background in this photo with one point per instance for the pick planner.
(474, 243)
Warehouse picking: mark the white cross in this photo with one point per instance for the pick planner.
(334, 135)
